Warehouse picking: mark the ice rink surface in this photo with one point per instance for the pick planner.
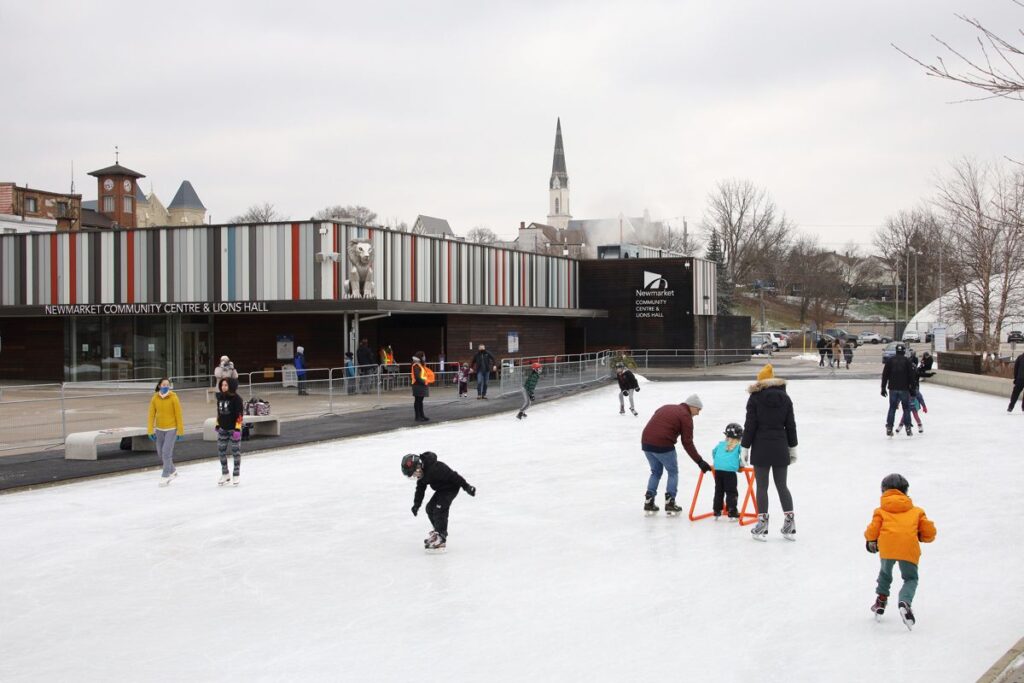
(313, 568)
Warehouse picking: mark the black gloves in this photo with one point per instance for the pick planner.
(704, 466)
(415, 510)
(625, 392)
(884, 392)
(637, 389)
(872, 546)
(471, 490)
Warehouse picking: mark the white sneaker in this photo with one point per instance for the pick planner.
(224, 479)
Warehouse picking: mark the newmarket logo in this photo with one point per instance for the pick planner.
(654, 281)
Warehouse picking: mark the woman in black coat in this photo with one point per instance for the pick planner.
(769, 444)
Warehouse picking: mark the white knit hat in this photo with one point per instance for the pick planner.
(694, 400)
(299, 349)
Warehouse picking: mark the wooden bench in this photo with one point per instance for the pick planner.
(82, 445)
(262, 425)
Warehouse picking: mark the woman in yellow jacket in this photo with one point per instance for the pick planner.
(165, 426)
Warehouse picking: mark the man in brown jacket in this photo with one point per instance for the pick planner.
(658, 441)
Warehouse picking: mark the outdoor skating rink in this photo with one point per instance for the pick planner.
(314, 569)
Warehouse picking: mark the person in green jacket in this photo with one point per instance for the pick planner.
(529, 384)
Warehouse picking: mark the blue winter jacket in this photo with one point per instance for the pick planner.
(726, 460)
(300, 366)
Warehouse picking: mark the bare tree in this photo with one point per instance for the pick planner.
(393, 223)
(481, 234)
(982, 208)
(995, 70)
(748, 223)
(259, 213)
(360, 215)
(817, 280)
(854, 270)
(903, 234)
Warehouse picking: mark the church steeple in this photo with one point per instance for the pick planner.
(558, 186)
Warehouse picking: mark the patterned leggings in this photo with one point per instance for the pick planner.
(223, 439)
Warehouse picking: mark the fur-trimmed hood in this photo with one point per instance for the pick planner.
(766, 383)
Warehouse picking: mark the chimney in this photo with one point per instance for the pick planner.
(522, 225)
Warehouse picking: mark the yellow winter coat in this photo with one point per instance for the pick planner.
(165, 412)
(899, 528)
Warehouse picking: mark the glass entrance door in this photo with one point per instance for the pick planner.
(195, 354)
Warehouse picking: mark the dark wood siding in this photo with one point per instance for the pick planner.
(32, 349)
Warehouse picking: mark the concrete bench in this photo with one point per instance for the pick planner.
(262, 425)
(82, 445)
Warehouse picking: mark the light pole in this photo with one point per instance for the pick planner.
(916, 254)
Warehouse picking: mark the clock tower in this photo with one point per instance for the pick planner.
(115, 193)
(558, 186)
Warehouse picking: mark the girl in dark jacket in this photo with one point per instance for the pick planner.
(769, 444)
(229, 428)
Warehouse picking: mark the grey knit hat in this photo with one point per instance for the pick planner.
(694, 400)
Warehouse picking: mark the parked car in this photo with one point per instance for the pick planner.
(911, 336)
(842, 335)
(760, 342)
(779, 340)
(872, 337)
(1015, 337)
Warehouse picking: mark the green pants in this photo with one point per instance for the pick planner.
(908, 570)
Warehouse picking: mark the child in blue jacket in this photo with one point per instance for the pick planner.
(727, 463)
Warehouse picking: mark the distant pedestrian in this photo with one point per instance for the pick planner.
(300, 369)
(925, 368)
(529, 385)
(836, 354)
(627, 386)
(483, 365)
(1018, 383)
(229, 429)
(165, 426)
(822, 350)
(462, 379)
(226, 369)
(769, 445)
(848, 352)
(658, 442)
(350, 374)
(366, 366)
(420, 377)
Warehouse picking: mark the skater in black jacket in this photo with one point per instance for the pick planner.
(899, 383)
(446, 482)
(229, 429)
(627, 385)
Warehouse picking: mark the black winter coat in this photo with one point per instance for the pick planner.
(899, 374)
(364, 356)
(770, 428)
(1018, 371)
(483, 361)
(627, 380)
(437, 476)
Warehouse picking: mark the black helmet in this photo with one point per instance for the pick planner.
(411, 463)
(900, 349)
(895, 481)
(734, 431)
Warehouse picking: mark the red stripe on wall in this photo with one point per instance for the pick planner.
(54, 294)
(72, 270)
(295, 260)
(131, 265)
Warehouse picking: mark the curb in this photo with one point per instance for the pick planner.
(1009, 668)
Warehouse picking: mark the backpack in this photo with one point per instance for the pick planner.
(257, 406)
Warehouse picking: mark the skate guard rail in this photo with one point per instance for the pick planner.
(748, 499)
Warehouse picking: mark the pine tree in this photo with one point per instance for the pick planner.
(724, 285)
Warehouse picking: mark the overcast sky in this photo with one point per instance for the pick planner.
(449, 108)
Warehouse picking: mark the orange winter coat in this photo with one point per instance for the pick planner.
(899, 528)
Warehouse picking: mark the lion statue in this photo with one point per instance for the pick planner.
(360, 259)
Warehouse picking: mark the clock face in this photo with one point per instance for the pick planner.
(108, 184)
(127, 186)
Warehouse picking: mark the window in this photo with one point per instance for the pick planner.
(63, 210)
(31, 204)
(108, 204)
(556, 206)
(128, 204)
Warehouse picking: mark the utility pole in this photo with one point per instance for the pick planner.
(763, 323)
(916, 254)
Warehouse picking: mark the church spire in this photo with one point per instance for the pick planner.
(558, 163)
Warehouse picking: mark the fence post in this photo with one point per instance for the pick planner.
(330, 391)
(63, 416)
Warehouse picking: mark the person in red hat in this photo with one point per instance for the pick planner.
(529, 385)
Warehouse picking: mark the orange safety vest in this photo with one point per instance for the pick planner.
(426, 374)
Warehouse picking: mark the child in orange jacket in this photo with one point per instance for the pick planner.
(896, 531)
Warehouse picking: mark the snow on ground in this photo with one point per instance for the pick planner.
(313, 569)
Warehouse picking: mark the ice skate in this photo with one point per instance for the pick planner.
(789, 527)
(520, 415)
(907, 615)
(920, 429)
(622, 411)
(436, 546)
(649, 507)
(431, 538)
(224, 479)
(879, 607)
(234, 479)
(888, 430)
(910, 432)
(166, 481)
(718, 516)
(734, 516)
(671, 509)
(633, 410)
(760, 530)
